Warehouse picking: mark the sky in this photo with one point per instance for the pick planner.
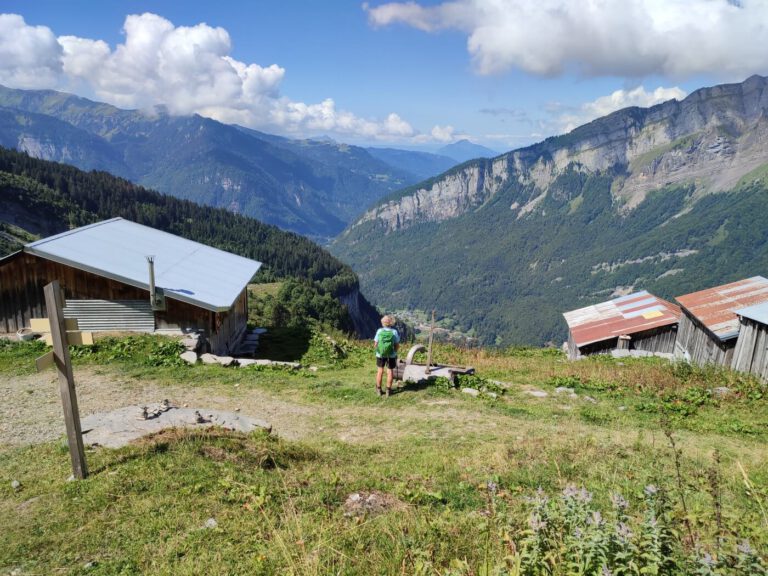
(415, 74)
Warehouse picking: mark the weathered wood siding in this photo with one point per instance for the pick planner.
(751, 352)
(700, 346)
(23, 276)
(656, 340)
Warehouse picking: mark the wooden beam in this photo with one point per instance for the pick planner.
(54, 302)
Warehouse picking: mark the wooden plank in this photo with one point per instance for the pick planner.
(44, 361)
(54, 301)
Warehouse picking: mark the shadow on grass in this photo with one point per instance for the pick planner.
(284, 344)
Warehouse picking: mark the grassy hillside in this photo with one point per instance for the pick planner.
(507, 279)
(596, 467)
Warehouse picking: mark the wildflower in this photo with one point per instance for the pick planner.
(578, 533)
(707, 560)
(596, 519)
(651, 490)
(536, 523)
(605, 571)
(745, 548)
(618, 501)
(492, 486)
(623, 531)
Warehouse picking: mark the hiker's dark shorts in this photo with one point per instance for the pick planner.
(388, 362)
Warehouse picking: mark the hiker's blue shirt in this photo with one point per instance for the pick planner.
(397, 340)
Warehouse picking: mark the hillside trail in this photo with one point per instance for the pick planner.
(31, 411)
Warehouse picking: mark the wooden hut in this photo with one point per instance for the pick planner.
(709, 328)
(751, 352)
(110, 284)
(639, 321)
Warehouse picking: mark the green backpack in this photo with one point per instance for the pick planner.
(385, 345)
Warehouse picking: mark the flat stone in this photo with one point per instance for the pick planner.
(209, 359)
(259, 331)
(210, 523)
(537, 393)
(119, 427)
(590, 399)
(565, 390)
(492, 395)
(16, 485)
(471, 391)
(722, 391)
(225, 360)
(245, 362)
(189, 357)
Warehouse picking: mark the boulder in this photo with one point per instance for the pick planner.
(189, 356)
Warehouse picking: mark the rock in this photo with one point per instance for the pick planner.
(537, 393)
(89, 565)
(210, 523)
(590, 399)
(313, 368)
(492, 395)
(622, 408)
(259, 331)
(471, 392)
(565, 390)
(16, 485)
(722, 391)
(225, 360)
(245, 362)
(209, 359)
(189, 357)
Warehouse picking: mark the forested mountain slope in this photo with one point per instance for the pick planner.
(669, 199)
(40, 198)
(312, 187)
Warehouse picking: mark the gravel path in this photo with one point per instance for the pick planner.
(31, 412)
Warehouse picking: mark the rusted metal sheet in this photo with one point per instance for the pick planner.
(716, 307)
(626, 315)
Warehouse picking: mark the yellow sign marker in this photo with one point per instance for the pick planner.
(654, 314)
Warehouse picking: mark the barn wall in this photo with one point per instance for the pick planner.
(23, 277)
(751, 352)
(701, 345)
(658, 340)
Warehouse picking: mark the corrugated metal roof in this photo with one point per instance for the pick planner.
(758, 312)
(185, 270)
(716, 307)
(625, 315)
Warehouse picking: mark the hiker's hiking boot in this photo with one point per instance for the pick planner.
(378, 391)
(389, 392)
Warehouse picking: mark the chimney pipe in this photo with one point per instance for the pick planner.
(152, 294)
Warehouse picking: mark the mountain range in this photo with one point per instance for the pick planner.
(463, 150)
(313, 187)
(669, 199)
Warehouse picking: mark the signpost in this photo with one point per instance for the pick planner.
(54, 302)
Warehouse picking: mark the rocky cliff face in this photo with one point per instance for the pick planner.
(711, 140)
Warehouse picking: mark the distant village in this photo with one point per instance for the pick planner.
(190, 288)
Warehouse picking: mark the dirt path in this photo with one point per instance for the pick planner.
(31, 407)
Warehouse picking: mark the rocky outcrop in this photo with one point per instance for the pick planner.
(710, 140)
(365, 317)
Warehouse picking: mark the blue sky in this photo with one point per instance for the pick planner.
(503, 73)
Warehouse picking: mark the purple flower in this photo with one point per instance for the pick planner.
(651, 490)
(536, 523)
(492, 486)
(618, 501)
(707, 560)
(623, 531)
(745, 548)
(596, 519)
(605, 571)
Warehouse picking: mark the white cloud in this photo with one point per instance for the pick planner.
(185, 69)
(443, 133)
(629, 38)
(566, 119)
(30, 56)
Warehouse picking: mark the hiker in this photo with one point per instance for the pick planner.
(386, 342)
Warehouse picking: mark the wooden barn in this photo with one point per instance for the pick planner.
(751, 352)
(710, 326)
(121, 276)
(639, 321)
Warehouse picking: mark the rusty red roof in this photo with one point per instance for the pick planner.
(716, 307)
(630, 314)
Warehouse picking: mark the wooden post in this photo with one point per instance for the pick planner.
(54, 302)
(429, 350)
